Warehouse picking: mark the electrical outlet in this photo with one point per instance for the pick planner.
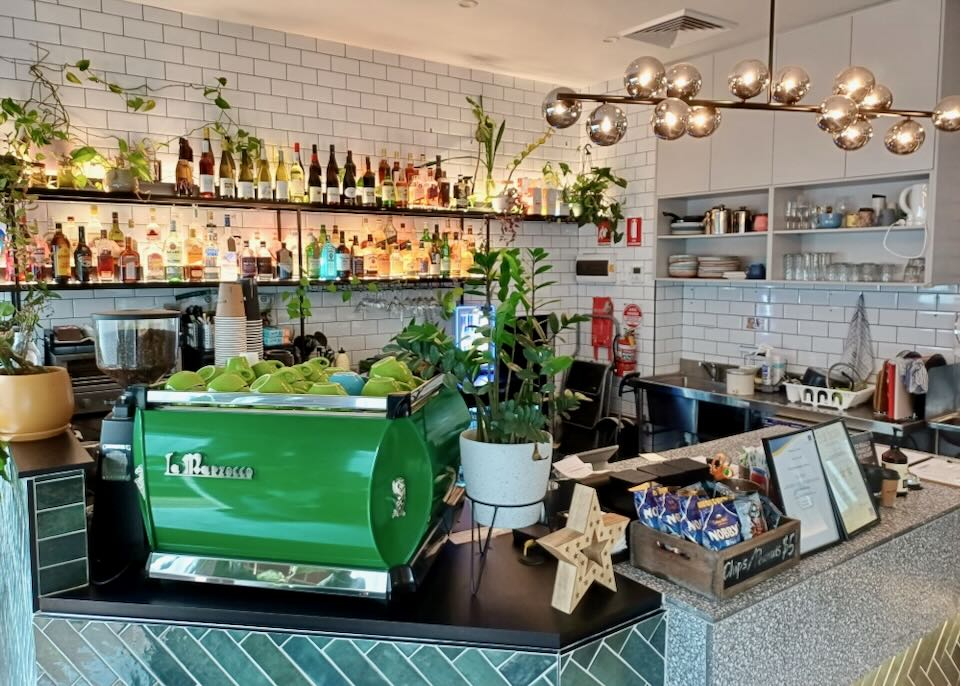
(757, 324)
(636, 275)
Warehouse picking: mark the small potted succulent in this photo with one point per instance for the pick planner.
(506, 458)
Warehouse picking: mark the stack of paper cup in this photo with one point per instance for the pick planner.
(230, 325)
(254, 325)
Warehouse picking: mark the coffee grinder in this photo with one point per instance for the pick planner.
(135, 348)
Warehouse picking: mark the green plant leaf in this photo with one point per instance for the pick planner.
(222, 80)
(82, 65)
(72, 78)
(221, 103)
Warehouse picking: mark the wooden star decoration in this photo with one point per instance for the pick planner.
(582, 549)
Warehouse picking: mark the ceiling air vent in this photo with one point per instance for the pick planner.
(678, 28)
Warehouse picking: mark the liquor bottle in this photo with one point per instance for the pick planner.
(396, 262)
(207, 184)
(93, 223)
(432, 190)
(455, 255)
(248, 262)
(344, 260)
(328, 255)
(245, 178)
(333, 179)
(410, 172)
(445, 256)
(116, 235)
(383, 261)
(264, 263)
(369, 197)
(104, 254)
(284, 263)
(194, 254)
(173, 254)
(153, 250)
(401, 189)
(283, 178)
(350, 180)
(228, 184)
(131, 230)
(356, 258)
(459, 199)
(229, 263)
(40, 259)
(412, 176)
(410, 257)
(443, 196)
(314, 259)
(184, 171)
(297, 186)
(396, 166)
(423, 257)
(382, 170)
(390, 233)
(264, 180)
(211, 251)
(83, 257)
(129, 263)
(370, 257)
(435, 251)
(421, 184)
(388, 191)
(315, 183)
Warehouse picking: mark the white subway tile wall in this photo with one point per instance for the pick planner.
(285, 88)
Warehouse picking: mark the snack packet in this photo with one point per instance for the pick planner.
(720, 524)
(750, 512)
(644, 500)
(771, 513)
(670, 514)
(690, 522)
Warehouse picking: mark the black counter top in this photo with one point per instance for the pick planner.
(60, 453)
(512, 608)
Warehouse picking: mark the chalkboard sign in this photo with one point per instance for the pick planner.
(738, 569)
(863, 445)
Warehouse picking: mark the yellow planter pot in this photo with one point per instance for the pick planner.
(35, 406)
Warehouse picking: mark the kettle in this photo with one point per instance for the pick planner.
(717, 220)
(913, 201)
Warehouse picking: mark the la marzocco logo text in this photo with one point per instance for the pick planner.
(191, 464)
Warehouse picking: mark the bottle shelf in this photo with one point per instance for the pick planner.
(103, 198)
(315, 284)
(702, 236)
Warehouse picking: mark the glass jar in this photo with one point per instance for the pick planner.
(889, 272)
(789, 267)
(870, 271)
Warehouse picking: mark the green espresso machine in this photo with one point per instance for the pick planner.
(332, 494)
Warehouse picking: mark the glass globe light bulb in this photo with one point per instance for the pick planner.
(904, 137)
(946, 115)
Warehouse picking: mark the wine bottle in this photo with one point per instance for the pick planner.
(315, 183)
(184, 171)
(207, 185)
(333, 179)
(349, 180)
(228, 185)
(83, 257)
(296, 176)
(343, 260)
(264, 180)
(245, 178)
(282, 178)
(129, 262)
(369, 197)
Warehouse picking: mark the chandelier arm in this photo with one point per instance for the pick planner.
(730, 104)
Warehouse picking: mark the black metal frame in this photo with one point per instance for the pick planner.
(480, 546)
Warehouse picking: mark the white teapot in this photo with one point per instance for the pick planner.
(913, 201)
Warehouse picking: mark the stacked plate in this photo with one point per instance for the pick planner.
(255, 337)
(714, 266)
(682, 266)
(686, 228)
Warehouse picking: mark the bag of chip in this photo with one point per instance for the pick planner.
(771, 513)
(689, 515)
(750, 512)
(720, 525)
(670, 514)
(648, 509)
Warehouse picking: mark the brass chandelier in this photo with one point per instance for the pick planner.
(847, 115)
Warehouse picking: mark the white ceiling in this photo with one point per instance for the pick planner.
(552, 40)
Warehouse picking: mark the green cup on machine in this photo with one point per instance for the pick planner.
(241, 366)
(264, 367)
(381, 387)
(186, 381)
(328, 388)
(227, 383)
(271, 384)
(209, 372)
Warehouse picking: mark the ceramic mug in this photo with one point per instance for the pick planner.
(756, 270)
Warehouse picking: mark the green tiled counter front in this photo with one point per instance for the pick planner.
(101, 653)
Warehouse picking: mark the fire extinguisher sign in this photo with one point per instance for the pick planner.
(634, 232)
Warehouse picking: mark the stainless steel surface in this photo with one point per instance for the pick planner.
(292, 577)
(267, 401)
(717, 220)
(943, 393)
(692, 387)
(947, 422)
(742, 220)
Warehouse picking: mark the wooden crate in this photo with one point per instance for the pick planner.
(718, 574)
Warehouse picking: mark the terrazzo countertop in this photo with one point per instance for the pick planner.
(918, 508)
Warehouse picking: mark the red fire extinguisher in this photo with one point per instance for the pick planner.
(626, 347)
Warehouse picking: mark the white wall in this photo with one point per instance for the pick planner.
(285, 88)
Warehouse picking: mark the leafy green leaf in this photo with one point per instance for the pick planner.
(222, 80)
(221, 103)
(82, 65)
(71, 77)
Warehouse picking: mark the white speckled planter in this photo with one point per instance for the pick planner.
(505, 475)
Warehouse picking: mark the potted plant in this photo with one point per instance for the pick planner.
(590, 201)
(506, 459)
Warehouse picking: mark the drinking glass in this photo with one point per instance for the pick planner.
(809, 266)
(888, 272)
(913, 273)
(854, 272)
(870, 271)
(833, 271)
(789, 267)
(790, 216)
(843, 271)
